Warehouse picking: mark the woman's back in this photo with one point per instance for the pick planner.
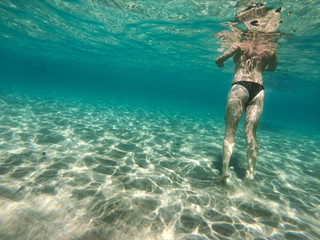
(252, 59)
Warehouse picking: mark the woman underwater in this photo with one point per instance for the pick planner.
(255, 53)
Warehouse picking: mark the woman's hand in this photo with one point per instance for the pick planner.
(219, 62)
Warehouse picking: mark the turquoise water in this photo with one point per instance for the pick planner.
(112, 124)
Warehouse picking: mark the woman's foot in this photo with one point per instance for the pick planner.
(224, 178)
(249, 176)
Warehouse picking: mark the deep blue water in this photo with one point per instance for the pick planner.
(112, 122)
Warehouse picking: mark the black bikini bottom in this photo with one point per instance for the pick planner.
(252, 87)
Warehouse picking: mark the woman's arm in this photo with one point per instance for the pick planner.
(227, 54)
(272, 63)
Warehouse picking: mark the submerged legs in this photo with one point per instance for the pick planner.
(237, 98)
(253, 114)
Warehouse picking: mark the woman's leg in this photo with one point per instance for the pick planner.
(252, 117)
(237, 98)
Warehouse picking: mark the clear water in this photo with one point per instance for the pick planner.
(111, 122)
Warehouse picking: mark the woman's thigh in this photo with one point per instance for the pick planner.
(253, 113)
(237, 98)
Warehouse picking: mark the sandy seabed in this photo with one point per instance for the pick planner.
(70, 169)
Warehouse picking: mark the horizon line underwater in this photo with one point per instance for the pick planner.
(112, 119)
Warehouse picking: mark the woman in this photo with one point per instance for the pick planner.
(253, 55)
